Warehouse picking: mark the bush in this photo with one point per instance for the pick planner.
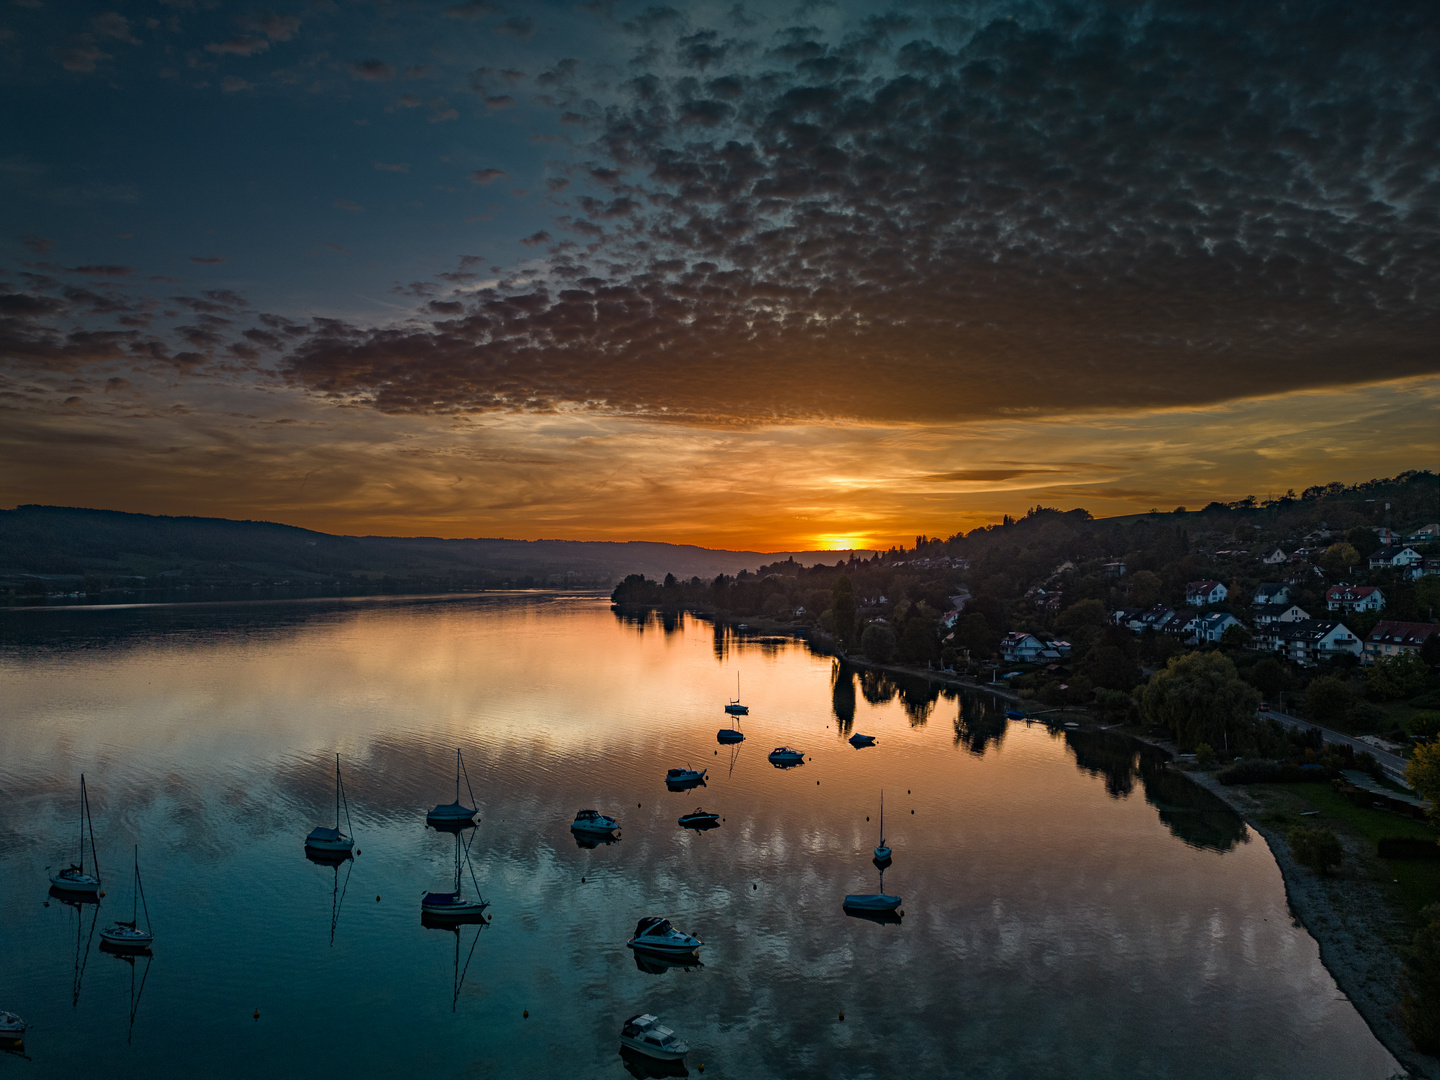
(1420, 1000)
(1425, 726)
(1266, 772)
(1396, 677)
(1408, 847)
(1205, 755)
(1317, 847)
(878, 643)
(1328, 701)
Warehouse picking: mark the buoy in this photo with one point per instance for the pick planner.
(702, 1066)
(754, 886)
(907, 791)
(842, 1016)
(357, 851)
(867, 817)
(526, 1014)
(817, 783)
(102, 892)
(257, 1014)
(912, 813)
(377, 899)
(637, 806)
(582, 881)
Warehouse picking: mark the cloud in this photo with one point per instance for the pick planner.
(402, 167)
(231, 84)
(240, 46)
(346, 204)
(102, 270)
(207, 260)
(372, 70)
(82, 57)
(39, 245)
(276, 27)
(520, 26)
(487, 176)
(114, 25)
(471, 10)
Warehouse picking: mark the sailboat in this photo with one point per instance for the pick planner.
(74, 879)
(872, 903)
(735, 708)
(333, 840)
(453, 906)
(456, 813)
(127, 936)
(882, 850)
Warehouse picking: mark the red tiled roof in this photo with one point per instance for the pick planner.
(1393, 632)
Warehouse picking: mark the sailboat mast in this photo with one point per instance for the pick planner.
(85, 807)
(82, 822)
(457, 774)
(135, 890)
(337, 792)
(882, 817)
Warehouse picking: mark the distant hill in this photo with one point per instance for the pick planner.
(56, 548)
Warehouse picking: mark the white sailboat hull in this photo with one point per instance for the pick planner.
(127, 939)
(72, 881)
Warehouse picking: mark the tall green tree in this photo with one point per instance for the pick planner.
(1199, 698)
(842, 610)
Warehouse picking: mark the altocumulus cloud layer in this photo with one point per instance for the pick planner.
(907, 214)
(971, 209)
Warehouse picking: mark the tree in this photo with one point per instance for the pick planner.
(1422, 773)
(842, 610)
(1145, 588)
(1420, 1001)
(1365, 541)
(1393, 677)
(973, 632)
(1329, 701)
(878, 643)
(1427, 596)
(1430, 650)
(1082, 622)
(1200, 698)
(1235, 637)
(1340, 557)
(1425, 726)
(1318, 848)
(1110, 667)
(1267, 676)
(917, 637)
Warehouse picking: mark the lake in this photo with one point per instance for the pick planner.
(1070, 907)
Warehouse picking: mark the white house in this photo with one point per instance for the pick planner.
(1390, 638)
(1310, 641)
(1354, 598)
(1213, 626)
(1426, 534)
(1266, 614)
(1271, 592)
(1020, 647)
(1201, 593)
(1398, 557)
(1275, 557)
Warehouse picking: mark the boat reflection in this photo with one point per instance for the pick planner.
(83, 938)
(590, 841)
(453, 925)
(882, 917)
(637, 1064)
(655, 964)
(132, 959)
(334, 860)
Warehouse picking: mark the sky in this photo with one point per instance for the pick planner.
(754, 276)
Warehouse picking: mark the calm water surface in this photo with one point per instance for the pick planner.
(1070, 909)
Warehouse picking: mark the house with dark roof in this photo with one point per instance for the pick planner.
(1271, 592)
(1394, 558)
(1354, 598)
(1275, 557)
(1265, 614)
(1200, 593)
(1020, 647)
(1391, 638)
(1309, 641)
(1212, 627)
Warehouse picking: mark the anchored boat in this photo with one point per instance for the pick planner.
(872, 903)
(453, 906)
(684, 777)
(457, 813)
(699, 819)
(882, 849)
(735, 708)
(784, 756)
(644, 1034)
(655, 934)
(127, 936)
(74, 879)
(333, 840)
(857, 740)
(592, 821)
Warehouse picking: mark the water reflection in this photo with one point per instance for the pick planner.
(980, 723)
(84, 938)
(334, 860)
(455, 927)
(1190, 812)
(136, 992)
(842, 697)
(638, 1065)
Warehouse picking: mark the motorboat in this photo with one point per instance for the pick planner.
(699, 819)
(74, 879)
(682, 777)
(592, 821)
(12, 1028)
(857, 740)
(322, 838)
(1014, 714)
(646, 1035)
(126, 936)
(882, 849)
(784, 756)
(454, 906)
(655, 934)
(455, 813)
(734, 708)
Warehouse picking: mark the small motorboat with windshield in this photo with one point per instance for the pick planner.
(655, 934)
(882, 849)
(74, 879)
(126, 936)
(333, 840)
(784, 756)
(699, 819)
(12, 1028)
(592, 821)
(857, 740)
(646, 1035)
(456, 813)
(684, 777)
(735, 708)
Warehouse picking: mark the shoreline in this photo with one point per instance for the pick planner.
(1355, 920)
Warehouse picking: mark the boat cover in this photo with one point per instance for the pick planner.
(439, 898)
(452, 808)
(322, 833)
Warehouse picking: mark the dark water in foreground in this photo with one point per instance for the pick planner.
(1070, 909)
